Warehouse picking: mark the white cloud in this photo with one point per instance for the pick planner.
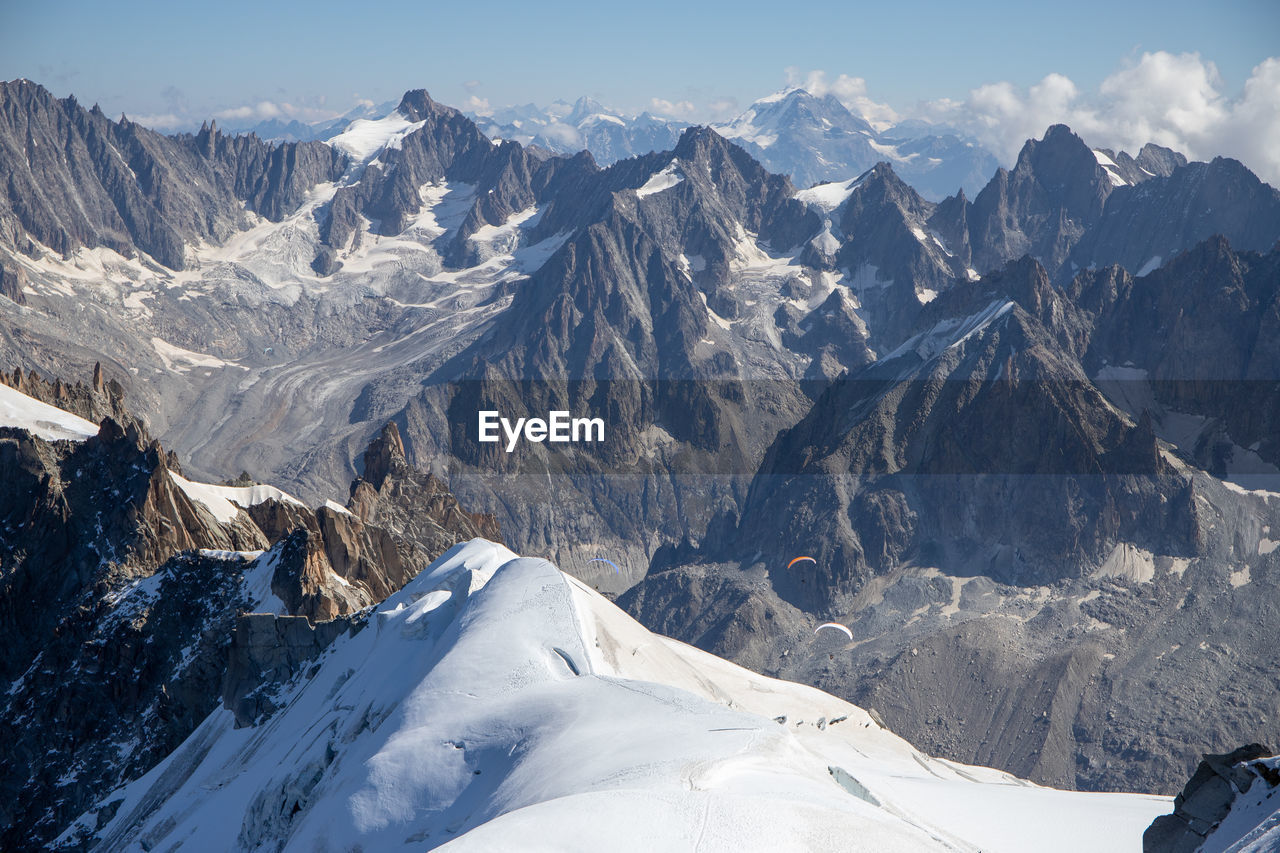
(265, 110)
(566, 135)
(162, 122)
(673, 109)
(850, 91)
(1175, 100)
(722, 108)
(479, 106)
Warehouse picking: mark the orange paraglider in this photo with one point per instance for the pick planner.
(798, 559)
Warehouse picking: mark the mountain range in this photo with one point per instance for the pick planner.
(1027, 439)
(811, 139)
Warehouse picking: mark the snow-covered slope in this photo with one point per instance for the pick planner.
(48, 422)
(223, 500)
(496, 703)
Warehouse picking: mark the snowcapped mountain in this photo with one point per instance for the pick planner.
(792, 132)
(296, 130)
(818, 139)
(270, 308)
(495, 702)
(585, 125)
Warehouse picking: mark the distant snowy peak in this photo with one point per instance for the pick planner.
(790, 111)
(792, 132)
(816, 140)
(586, 124)
(297, 130)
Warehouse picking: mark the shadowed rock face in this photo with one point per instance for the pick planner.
(118, 624)
(1053, 195)
(12, 280)
(983, 443)
(1219, 782)
(266, 651)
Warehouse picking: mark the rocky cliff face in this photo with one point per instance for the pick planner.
(1225, 802)
(1042, 206)
(77, 179)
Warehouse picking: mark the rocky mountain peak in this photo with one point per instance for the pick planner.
(1159, 160)
(416, 105)
(383, 455)
(697, 141)
(585, 107)
(76, 179)
(881, 185)
(1063, 162)
(1025, 281)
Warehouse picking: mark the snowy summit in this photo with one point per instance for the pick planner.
(495, 703)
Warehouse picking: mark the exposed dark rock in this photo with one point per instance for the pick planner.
(410, 503)
(1146, 225)
(268, 650)
(1218, 782)
(1153, 161)
(306, 581)
(12, 281)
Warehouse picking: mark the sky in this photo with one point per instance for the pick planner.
(996, 68)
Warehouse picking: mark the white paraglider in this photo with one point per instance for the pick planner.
(834, 626)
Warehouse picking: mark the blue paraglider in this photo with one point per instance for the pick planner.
(610, 562)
